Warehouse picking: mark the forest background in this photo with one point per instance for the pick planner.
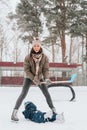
(61, 25)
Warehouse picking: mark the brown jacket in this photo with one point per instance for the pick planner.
(29, 67)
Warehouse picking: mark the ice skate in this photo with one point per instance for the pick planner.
(14, 115)
(60, 118)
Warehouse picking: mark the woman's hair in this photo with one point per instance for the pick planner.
(33, 52)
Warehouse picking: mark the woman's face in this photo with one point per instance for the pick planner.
(36, 48)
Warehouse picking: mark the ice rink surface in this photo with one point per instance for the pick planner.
(75, 112)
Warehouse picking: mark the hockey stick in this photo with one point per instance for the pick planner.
(73, 76)
(64, 84)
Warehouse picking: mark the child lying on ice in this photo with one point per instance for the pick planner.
(35, 115)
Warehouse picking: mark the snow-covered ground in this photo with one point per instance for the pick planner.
(75, 112)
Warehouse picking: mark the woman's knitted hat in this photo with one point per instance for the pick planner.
(36, 42)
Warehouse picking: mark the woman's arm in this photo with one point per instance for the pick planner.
(46, 68)
(27, 68)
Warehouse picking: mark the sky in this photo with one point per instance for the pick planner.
(13, 4)
(75, 112)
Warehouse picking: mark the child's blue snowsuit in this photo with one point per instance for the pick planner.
(35, 115)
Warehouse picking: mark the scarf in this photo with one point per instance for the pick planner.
(37, 59)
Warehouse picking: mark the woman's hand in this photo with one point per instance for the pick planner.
(48, 81)
(35, 80)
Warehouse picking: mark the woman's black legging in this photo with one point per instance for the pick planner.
(26, 86)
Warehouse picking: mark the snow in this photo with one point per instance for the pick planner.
(75, 112)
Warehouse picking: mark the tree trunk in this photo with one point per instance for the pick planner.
(70, 52)
(63, 46)
(86, 48)
(86, 59)
(53, 54)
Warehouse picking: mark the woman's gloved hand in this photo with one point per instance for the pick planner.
(48, 81)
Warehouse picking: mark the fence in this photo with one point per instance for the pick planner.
(12, 74)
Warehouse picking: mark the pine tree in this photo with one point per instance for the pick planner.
(28, 18)
(58, 21)
(78, 27)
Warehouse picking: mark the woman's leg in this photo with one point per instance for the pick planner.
(27, 83)
(44, 89)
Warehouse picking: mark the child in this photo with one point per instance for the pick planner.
(38, 116)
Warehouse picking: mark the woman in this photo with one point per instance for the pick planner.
(36, 68)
